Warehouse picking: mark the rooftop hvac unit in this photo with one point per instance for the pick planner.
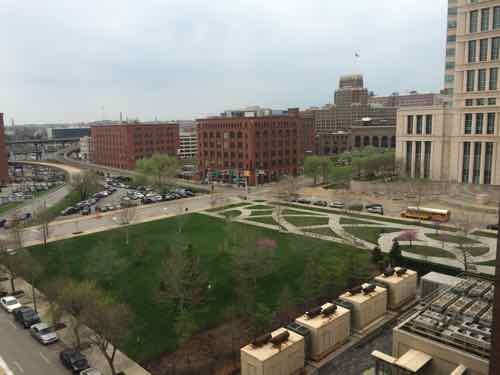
(329, 310)
(471, 338)
(261, 340)
(355, 290)
(304, 332)
(401, 272)
(369, 289)
(389, 271)
(280, 339)
(314, 312)
(346, 304)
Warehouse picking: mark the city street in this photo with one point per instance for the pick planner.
(24, 355)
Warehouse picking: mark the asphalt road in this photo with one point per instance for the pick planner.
(24, 355)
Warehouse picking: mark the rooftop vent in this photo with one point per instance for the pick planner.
(329, 310)
(389, 271)
(280, 339)
(401, 272)
(356, 290)
(314, 312)
(261, 340)
(369, 289)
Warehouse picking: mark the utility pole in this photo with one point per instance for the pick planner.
(495, 347)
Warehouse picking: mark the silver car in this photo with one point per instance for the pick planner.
(43, 333)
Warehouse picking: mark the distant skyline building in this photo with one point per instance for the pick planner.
(121, 144)
(250, 144)
(4, 157)
(460, 144)
(352, 121)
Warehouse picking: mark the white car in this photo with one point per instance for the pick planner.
(337, 204)
(10, 303)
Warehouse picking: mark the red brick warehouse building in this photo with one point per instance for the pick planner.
(4, 157)
(120, 145)
(248, 144)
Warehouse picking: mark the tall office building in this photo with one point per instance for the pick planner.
(451, 37)
(460, 144)
(495, 344)
(4, 166)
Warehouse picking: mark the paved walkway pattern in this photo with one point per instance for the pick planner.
(345, 227)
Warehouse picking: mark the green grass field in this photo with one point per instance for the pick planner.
(323, 231)
(231, 214)
(370, 234)
(428, 251)
(484, 234)
(305, 221)
(264, 220)
(137, 285)
(478, 251)
(450, 238)
(260, 207)
(348, 220)
(261, 212)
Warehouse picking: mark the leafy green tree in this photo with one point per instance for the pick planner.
(85, 183)
(27, 266)
(377, 255)
(316, 166)
(160, 168)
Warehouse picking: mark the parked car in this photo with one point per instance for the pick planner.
(91, 371)
(375, 209)
(320, 203)
(304, 201)
(43, 333)
(10, 303)
(74, 360)
(86, 210)
(2, 222)
(337, 204)
(69, 211)
(26, 316)
(492, 226)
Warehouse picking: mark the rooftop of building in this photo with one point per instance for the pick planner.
(459, 316)
(133, 123)
(268, 350)
(321, 319)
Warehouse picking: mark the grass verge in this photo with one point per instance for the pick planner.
(370, 234)
(428, 251)
(305, 221)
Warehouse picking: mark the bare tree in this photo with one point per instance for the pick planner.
(26, 265)
(8, 262)
(85, 183)
(419, 188)
(126, 216)
(44, 217)
(181, 217)
(110, 322)
(183, 280)
(465, 225)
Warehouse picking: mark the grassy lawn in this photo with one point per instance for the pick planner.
(231, 214)
(234, 205)
(370, 234)
(484, 234)
(478, 251)
(264, 220)
(9, 206)
(491, 263)
(323, 231)
(139, 282)
(288, 211)
(450, 238)
(348, 220)
(261, 212)
(260, 207)
(428, 251)
(304, 221)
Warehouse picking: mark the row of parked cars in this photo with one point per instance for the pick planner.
(372, 208)
(46, 334)
(85, 207)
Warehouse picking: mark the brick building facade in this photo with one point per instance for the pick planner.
(259, 148)
(4, 157)
(120, 145)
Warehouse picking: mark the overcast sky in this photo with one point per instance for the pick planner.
(66, 60)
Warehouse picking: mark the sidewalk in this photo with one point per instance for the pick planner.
(96, 359)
